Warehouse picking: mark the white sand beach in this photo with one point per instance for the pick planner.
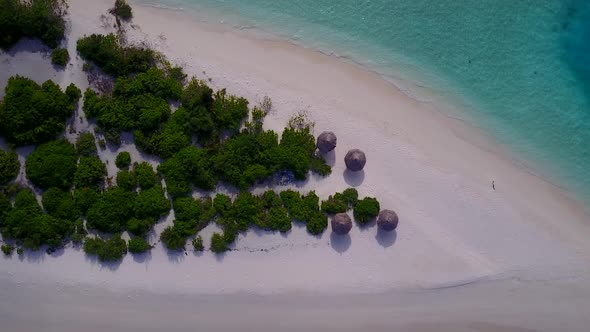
(465, 257)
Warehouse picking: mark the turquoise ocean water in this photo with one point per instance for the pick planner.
(521, 67)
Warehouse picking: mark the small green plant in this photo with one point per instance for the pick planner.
(7, 249)
(60, 57)
(138, 245)
(73, 92)
(218, 243)
(109, 250)
(198, 243)
(20, 251)
(122, 10)
(123, 160)
(366, 210)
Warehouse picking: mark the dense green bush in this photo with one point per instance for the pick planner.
(340, 202)
(270, 199)
(112, 210)
(154, 82)
(52, 164)
(126, 180)
(109, 250)
(60, 57)
(140, 227)
(277, 219)
(218, 243)
(7, 249)
(86, 145)
(222, 203)
(366, 210)
(73, 93)
(317, 223)
(198, 243)
(108, 53)
(31, 113)
(9, 167)
(138, 245)
(189, 166)
(187, 209)
(122, 10)
(26, 222)
(91, 172)
(247, 210)
(151, 203)
(43, 19)
(60, 204)
(174, 237)
(145, 175)
(79, 232)
(5, 208)
(123, 160)
(85, 198)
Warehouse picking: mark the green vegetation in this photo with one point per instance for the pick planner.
(85, 198)
(108, 53)
(145, 175)
(192, 215)
(42, 19)
(218, 243)
(151, 204)
(109, 250)
(122, 10)
(91, 172)
(111, 211)
(7, 249)
(198, 243)
(123, 160)
(138, 245)
(27, 223)
(189, 166)
(126, 180)
(340, 202)
(79, 232)
(9, 167)
(60, 57)
(52, 164)
(31, 113)
(366, 210)
(60, 204)
(73, 92)
(86, 145)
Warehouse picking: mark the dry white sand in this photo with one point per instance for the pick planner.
(528, 236)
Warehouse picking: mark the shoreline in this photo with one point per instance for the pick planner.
(435, 170)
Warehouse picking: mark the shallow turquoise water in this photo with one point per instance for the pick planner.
(522, 67)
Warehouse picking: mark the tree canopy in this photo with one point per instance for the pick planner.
(31, 113)
(52, 164)
(9, 166)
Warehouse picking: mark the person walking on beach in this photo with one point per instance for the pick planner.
(493, 185)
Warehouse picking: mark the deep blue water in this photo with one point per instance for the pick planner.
(521, 68)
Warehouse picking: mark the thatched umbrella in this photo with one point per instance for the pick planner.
(387, 220)
(341, 224)
(326, 141)
(355, 160)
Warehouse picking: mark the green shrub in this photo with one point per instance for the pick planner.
(319, 166)
(271, 199)
(123, 160)
(109, 250)
(9, 167)
(108, 53)
(334, 206)
(151, 203)
(350, 196)
(222, 203)
(20, 251)
(79, 232)
(218, 243)
(7, 249)
(198, 243)
(42, 19)
(317, 222)
(245, 211)
(126, 180)
(86, 145)
(84, 198)
(111, 211)
(145, 175)
(186, 209)
(60, 204)
(122, 10)
(31, 113)
(52, 164)
(277, 219)
(73, 92)
(60, 57)
(140, 227)
(138, 245)
(366, 210)
(174, 237)
(189, 166)
(155, 82)
(91, 172)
